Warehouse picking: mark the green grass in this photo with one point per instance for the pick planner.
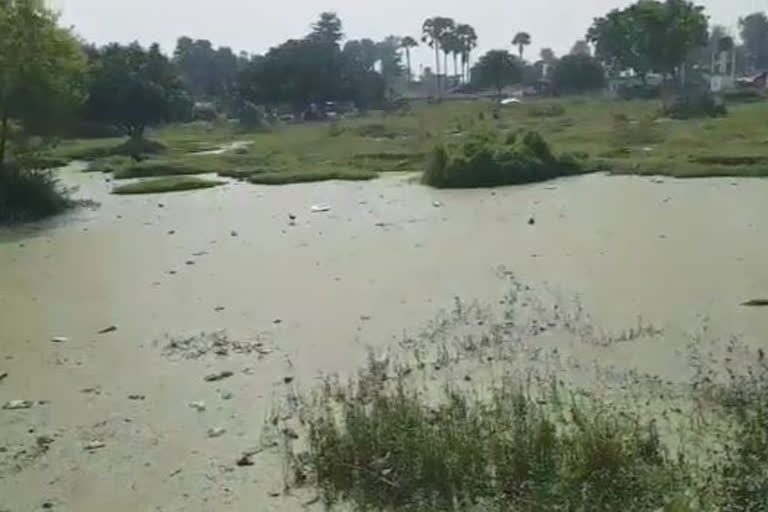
(283, 178)
(167, 184)
(410, 433)
(617, 136)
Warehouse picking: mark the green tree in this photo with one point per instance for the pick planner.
(41, 68)
(497, 69)
(468, 42)
(452, 46)
(649, 36)
(406, 44)
(581, 47)
(521, 40)
(433, 33)
(328, 28)
(754, 33)
(388, 52)
(132, 88)
(208, 73)
(548, 56)
(577, 74)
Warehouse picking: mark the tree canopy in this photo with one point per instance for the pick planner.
(41, 68)
(521, 40)
(497, 69)
(577, 74)
(754, 33)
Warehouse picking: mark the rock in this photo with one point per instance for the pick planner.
(531, 221)
(215, 432)
(215, 377)
(288, 380)
(198, 406)
(107, 330)
(59, 339)
(95, 445)
(14, 405)
(137, 397)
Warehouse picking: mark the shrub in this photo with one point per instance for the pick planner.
(29, 195)
(483, 161)
(628, 132)
(694, 105)
(551, 110)
(250, 116)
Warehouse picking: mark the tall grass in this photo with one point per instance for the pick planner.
(29, 194)
(409, 434)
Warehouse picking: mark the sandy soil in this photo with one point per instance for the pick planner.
(307, 299)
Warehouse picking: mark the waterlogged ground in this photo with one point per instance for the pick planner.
(125, 420)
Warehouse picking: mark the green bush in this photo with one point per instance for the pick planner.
(482, 160)
(693, 105)
(550, 110)
(29, 195)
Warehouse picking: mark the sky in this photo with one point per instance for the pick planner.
(256, 25)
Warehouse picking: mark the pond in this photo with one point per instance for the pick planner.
(315, 288)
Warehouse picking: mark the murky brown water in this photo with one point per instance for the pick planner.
(384, 260)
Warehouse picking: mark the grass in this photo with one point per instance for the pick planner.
(27, 195)
(283, 178)
(617, 136)
(166, 184)
(409, 434)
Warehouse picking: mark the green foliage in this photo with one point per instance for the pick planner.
(754, 33)
(483, 161)
(578, 74)
(649, 35)
(521, 40)
(287, 177)
(639, 132)
(165, 185)
(207, 73)
(545, 110)
(687, 106)
(29, 195)
(497, 69)
(131, 87)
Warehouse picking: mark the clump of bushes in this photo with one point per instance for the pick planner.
(29, 194)
(693, 105)
(484, 160)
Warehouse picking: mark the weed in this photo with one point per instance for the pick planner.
(167, 184)
(29, 194)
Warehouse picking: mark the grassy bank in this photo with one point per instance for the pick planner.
(166, 184)
(27, 195)
(471, 416)
(616, 136)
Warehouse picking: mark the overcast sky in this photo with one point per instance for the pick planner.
(256, 25)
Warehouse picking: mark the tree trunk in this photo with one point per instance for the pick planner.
(408, 57)
(437, 69)
(456, 64)
(3, 138)
(445, 68)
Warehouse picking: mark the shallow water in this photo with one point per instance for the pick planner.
(384, 260)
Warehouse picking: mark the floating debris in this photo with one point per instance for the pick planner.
(216, 377)
(107, 330)
(198, 406)
(759, 303)
(59, 339)
(95, 445)
(14, 405)
(321, 208)
(215, 432)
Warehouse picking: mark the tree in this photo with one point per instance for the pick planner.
(649, 36)
(468, 42)
(577, 74)
(208, 73)
(497, 69)
(389, 57)
(327, 29)
(364, 51)
(406, 44)
(548, 55)
(581, 47)
(41, 68)
(452, 46)
(754, 33)
(521, 40)
(132, 88)
(433, 33)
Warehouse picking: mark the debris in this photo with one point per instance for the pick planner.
(233, 234)
(218, 342)
(3, 375)
(96, 390)
(160, 205)
(227, 395)
(177, 472)
(658, 181)
(531, 221)
(761, 303)
(288, 379)
(189, 262)
(107, 330)
(198, 406)
(437, 204)
(215, 377)
(137, 397)
(14, 405)
(275, 494)
(246, 459)
(321, 208)
(44, 440)
(468, 378)
(510, 101)
(172, 232)
(291, 216)
(290, 433)
(95, 445)
(48, 505)
(59, 339)
(215, 432)
(219, 309)
(365, 318)
(647, 149)
(277, 321)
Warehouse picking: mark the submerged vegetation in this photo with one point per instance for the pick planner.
(167, 184)
(457, 422)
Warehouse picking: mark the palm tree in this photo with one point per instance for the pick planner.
(521, 40)
(451, 46)
(468, 39)
(433, 31)
(407, 43)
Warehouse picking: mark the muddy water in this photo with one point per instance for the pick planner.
(384, 260)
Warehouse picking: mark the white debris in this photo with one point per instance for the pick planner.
(215, 432)
(17, 404)
(320, 208)
(198, 406)
(95, 445)
(59, 339)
